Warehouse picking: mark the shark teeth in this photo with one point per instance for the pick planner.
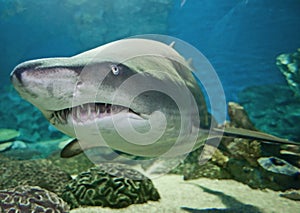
(88, 111)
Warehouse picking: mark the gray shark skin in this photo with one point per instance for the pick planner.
(83, 95)
(137, 88)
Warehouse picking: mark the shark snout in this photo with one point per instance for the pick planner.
(46, 83)
(17, 73)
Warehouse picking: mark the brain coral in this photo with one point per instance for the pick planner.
(40, 173)
(109, 185)
(31, 199)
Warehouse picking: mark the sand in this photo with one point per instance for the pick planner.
(206, 195)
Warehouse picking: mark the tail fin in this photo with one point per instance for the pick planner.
(250, 134)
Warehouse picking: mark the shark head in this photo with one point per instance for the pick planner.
(136, 92)
(80, 92)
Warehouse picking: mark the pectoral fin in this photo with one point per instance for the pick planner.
(255, 135)
(71, 149)
(74, 148)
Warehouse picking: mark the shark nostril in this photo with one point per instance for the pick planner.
(79, 84)
(17, 74)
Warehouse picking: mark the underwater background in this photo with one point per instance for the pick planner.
(252, 44)
(241, 38)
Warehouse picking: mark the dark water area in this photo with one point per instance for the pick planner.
(240, 38)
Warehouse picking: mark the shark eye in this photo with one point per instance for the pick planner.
(115, 69)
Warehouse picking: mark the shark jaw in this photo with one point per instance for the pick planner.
(96, 118)
(90, 112)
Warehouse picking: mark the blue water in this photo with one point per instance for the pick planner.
(241, 38)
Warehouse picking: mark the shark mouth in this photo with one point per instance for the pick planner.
(88, 112)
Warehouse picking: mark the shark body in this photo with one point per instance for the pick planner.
(137, 96)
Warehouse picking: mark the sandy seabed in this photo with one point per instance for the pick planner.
(206, 195)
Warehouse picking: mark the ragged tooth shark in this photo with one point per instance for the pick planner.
(136, 96)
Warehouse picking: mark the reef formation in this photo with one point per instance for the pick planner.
(109, 185)
(31, 199)
(289, 65)
(32, 172)
(248, 161)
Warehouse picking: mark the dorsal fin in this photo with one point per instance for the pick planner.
(172, 44)
(189, 61)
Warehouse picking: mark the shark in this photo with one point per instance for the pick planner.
(136, 96)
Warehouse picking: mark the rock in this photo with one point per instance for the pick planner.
(8, 134)
(289, 65)
(19, 145)
(5, 146)
(31, 199)
(109, 185)
(278, 166)
(277, 171)
(238, 117)
(241, 171)
(32, 172)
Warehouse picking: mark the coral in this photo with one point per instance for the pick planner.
(243, 149)
(109, 185)
(8, 134)
(219, 158)
(190, 169)
(32, 172)
(74, 165)
(30, 199)
(289, 65)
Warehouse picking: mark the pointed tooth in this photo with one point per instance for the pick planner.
(55, 119)
(77, 109)
(89, 110)
(97, 109)
(59, 117)
(56, 115)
